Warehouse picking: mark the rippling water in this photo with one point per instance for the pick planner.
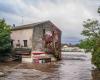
(73, 66)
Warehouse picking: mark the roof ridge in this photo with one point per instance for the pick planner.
(29, 25)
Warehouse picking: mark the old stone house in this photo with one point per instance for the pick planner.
(43, 38)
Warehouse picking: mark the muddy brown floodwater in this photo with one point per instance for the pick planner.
(73, 66)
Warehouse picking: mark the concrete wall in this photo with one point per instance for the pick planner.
(27, 60)
(24, 34)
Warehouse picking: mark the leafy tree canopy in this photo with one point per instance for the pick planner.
(92, 41)
(92, 32)
(4, 36)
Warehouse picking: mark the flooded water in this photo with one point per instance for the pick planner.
(73, 66)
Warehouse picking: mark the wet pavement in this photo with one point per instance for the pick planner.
(73, 66)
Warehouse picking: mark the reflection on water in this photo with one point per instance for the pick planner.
(73, 66)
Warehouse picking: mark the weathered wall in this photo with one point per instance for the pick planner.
(49, 42)
(38, 36)
(56, 41)
(24, 34)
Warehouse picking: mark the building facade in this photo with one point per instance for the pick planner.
(41, 38)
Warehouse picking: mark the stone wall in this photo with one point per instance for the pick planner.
(50, 41)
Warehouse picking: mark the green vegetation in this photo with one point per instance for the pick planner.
(5, 45)
(92, 41)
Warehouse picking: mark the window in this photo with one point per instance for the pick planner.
(18, 43)
(25, 43)
(12, 43)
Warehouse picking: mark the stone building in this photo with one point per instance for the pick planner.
(43, 38)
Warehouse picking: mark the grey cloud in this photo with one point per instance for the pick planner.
(8, 8)
(68, 15)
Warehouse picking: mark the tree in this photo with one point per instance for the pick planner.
(87, 44)
(5, 31)
(92, 41)
(99, 10)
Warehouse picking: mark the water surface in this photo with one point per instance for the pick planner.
(73, 66)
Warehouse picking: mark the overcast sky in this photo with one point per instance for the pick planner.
(68, 15)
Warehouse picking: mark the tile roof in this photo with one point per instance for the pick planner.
(28, 26)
